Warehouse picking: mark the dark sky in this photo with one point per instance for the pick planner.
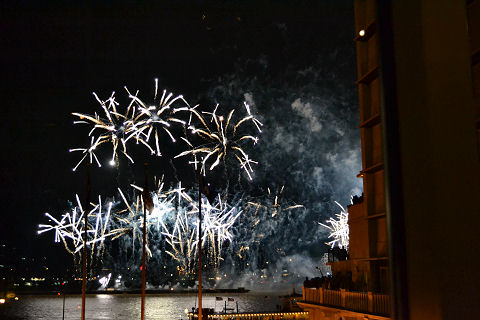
(283, 55)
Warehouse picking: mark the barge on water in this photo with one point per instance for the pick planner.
(208, 314)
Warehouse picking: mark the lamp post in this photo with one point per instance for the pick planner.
(146, 201)
(199, 244)
(63, 292)
(85, 227)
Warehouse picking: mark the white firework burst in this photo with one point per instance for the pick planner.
(339, 229)
(221, 139)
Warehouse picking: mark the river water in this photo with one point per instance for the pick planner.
(127, 306)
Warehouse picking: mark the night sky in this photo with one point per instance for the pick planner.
(292, 61)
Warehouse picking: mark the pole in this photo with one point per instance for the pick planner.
(63, 310)
(144, 243)
(200, 244)
(85, 227)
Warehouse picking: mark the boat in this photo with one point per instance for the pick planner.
(209, 313)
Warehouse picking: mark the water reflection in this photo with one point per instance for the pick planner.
(127, 306)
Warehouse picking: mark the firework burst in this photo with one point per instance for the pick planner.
(140, 122)
(220, 138)
(70, 227)
(156, 118)
(339, 229)
(173, 218)
(171, 212)
(112, 127)
(273, 204)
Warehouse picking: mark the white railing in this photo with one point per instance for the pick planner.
(332, 297)
(367, 302)
(381, 304)
(356, 301)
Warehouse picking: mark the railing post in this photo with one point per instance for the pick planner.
(370, 302)
(342, 293)
(321, 295)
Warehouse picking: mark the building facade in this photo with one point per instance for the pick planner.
(419, 97)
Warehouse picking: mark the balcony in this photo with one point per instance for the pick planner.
(362, 302)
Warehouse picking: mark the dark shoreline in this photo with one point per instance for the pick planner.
(138, 291)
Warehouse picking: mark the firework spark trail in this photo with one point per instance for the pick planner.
(181, 240)
(221, 138)
(163, 202)
(113, 126)
(339, 229)
(264, 215)
(156, 118)
(137, 123)
(216, 224)
(217, 221)
(275, 204)
(70, 227)
(277, 208)
(88, 152)
(173, 217)
(180, 228)
(173, 227)
(105, 280)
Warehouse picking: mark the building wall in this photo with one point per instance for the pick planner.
(358, 226)
(473, 18)
(373, 226)
(438, 153)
